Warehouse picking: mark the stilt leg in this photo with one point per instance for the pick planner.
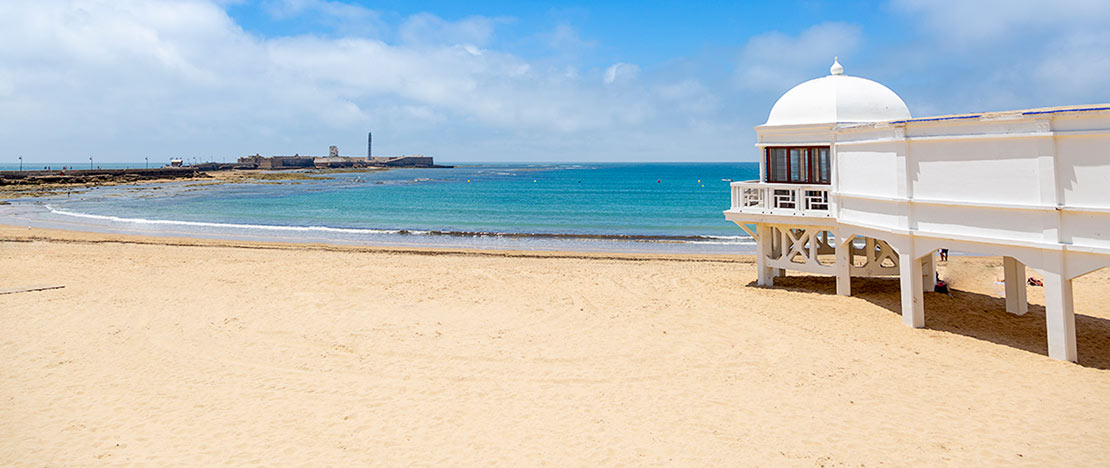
(1014, 272)
(763, 249)
(781, 248)
(1059, 317)
(763, 273)
(844, 267)
(764, 244)
(929, 272)
(913, 306)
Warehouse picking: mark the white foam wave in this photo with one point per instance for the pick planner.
(705, 240)
(261, 227)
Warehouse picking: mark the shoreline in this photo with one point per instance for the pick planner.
(41, 215)
(16, 233)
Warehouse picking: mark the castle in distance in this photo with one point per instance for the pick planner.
(334, 160)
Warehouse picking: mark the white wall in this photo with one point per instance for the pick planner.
(994, 170)
(998, 177)
(870, 169)
(1083, 170)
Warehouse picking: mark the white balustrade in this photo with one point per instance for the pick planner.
(754, 196)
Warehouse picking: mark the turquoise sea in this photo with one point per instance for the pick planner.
(588, 206)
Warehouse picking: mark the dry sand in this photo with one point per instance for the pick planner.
(171, 352)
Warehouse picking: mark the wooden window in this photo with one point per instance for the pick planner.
(822, 166)
(798, 164)
(776, 164)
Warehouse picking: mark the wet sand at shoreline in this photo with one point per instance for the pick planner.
(181, 351)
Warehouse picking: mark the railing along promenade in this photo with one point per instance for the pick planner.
(754, 196)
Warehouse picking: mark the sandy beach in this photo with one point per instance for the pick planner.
(198, 352)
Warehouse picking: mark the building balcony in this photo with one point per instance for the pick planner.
(757, 197)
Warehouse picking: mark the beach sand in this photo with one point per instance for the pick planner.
(193, 352)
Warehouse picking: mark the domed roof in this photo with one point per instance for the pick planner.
(837, 98)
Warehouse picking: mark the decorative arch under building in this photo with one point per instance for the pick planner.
(851, 185)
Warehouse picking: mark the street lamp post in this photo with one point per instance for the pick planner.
(90, 163)
(21, 163)
(147, 159)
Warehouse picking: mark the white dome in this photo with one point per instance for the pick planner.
(837, 98)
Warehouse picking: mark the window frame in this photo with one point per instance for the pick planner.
(811, 154)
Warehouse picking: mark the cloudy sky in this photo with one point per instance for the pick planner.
(504, 80)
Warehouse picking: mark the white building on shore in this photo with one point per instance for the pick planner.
(851, 185)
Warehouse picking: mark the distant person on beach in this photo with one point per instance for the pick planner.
(941, 286)
(944, 255)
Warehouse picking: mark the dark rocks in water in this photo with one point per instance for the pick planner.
(96, 176)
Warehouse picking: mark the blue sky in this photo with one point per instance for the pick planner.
(504, 81)
(647, 33)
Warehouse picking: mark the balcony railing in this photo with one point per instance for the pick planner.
(754, 196)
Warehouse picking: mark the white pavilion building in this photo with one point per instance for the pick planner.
(851, 185)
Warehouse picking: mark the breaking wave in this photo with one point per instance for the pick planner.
(681, 239)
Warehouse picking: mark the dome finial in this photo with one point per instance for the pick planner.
(836, 68)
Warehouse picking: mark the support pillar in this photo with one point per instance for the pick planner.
(913, 304)
(929, 272)
(1014, 272)
(844, 267)
(781, 247)
(764, 244)
(1059, 315)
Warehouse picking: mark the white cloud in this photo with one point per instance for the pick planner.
(620, 72)
(566, 39)
(689, 95)
(426, 29)
(775, 61)
(966, 22)
(996, 54)
(342, 18)
(126, 79)
(1080, 64)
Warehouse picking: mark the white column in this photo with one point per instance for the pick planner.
(843, 267)
(782, 247)
(869, 251)
(1059, 316)
(913, 305)
(1014, 272)
(929, 272)
(763, 247)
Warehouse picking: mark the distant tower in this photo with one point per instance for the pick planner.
(333, 151)
(369, 144)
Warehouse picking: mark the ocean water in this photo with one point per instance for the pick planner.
(595, 207)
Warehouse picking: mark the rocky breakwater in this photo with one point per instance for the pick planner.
(96, 176)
